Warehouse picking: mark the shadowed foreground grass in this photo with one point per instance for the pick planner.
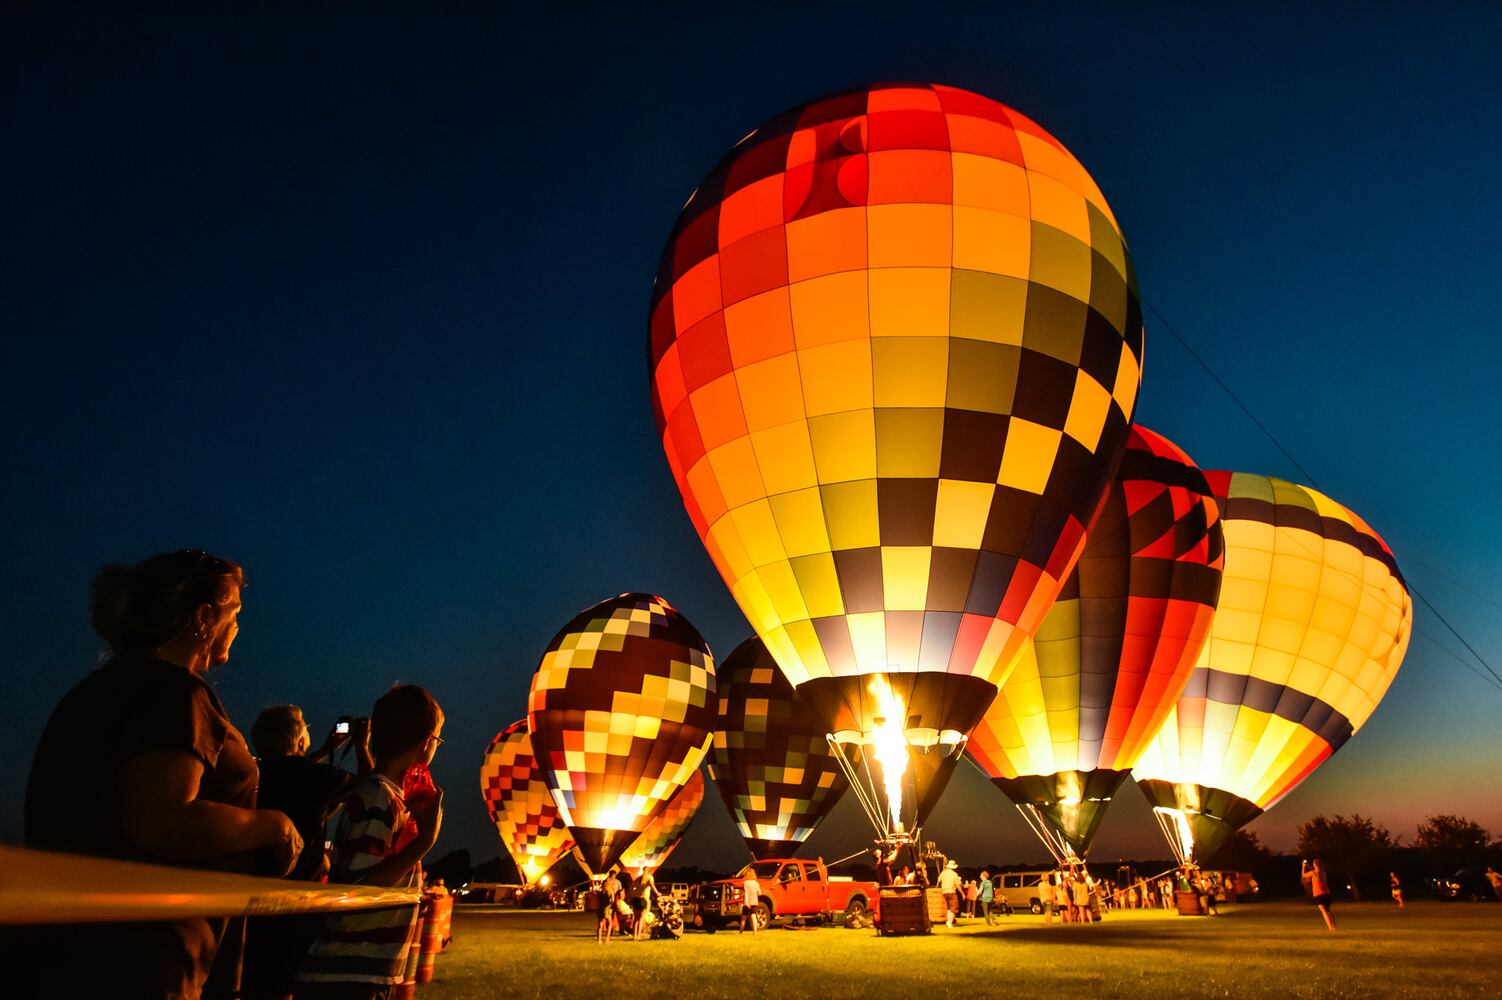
(1256, 950)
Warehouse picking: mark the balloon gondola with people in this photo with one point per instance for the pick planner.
(895, 348)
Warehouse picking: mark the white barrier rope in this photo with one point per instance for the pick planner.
(40, 887)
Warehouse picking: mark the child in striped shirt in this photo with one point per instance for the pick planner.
(380, 839)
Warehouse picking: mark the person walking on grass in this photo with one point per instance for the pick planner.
(1319, 887)
(986, 898)
(949, 885)
(1493, 877)
(1396, 887)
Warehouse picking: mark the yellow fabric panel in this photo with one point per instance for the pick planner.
(989, 307)
(909, 302)
(800, 522)
(758, 532)
(904, 576)
(993, 242)
(908, 442)
(986, 182)
(782, 587)
(785, 458)
(1087, 411)
(1061, 262)
(736, 472)
(806, 658)
(910, 371)
(982, 376)
(820, 584)
(960, 513)
(836, 377)
(851, 514)
(1128, 375)
(771, 392)
(1055, 204)
(727, 541)
(830, 309)
(1029, 455)
(844, 445)
(868, 637)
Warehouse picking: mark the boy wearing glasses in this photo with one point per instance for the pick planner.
(381, 839)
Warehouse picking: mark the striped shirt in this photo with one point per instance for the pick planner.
(366, 946)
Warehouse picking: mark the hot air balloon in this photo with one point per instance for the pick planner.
(520, 804)
(620, 712)
(1311, 626)
(770, 758)
(895, 345)
(663, 834)
(1115, 651)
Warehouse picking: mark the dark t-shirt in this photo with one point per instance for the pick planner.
(301, 788)
(133, 705)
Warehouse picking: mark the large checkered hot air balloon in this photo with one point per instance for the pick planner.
(1115, 651)
(520, 804)
(770, 758)
(1311, 626)
(895, 349)
(620, 712)
(665, 833)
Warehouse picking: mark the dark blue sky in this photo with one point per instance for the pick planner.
(359, 300)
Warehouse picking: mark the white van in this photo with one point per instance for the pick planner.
(1019, 891)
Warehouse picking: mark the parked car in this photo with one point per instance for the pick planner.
(791, 888)
(1020, 891)
(490, 892)
(1469, 884)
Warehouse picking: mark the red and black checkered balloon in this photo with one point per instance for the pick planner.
(1115, 651)
(621, 710)
(770, 759)
(521, 805)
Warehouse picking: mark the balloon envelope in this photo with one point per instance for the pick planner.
(770, 759)
(620, 711)
(895, 344)
(665, 832)
(1116, 649)
(1310, 628)
(520, 804)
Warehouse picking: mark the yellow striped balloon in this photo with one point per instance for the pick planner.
(1312, 623)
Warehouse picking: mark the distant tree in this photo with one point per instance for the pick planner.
(1450, 842)
(1241, 852)
(453, 868)
(1352, 846)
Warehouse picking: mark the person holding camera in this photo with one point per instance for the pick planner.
(140, 762)
(306, 787)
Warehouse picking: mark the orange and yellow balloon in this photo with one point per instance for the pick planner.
(895, 347)
(666, 832)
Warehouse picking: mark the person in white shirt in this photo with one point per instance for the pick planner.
(751, 889)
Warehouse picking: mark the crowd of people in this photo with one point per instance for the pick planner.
(141, 762)
(626, 908)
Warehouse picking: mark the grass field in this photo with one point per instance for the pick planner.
(1256, 950)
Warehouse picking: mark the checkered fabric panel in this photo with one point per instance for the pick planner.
(665, 832)
(770, 759)
(520, 804)
(1117, 648)
(620, 711)
(895, 343)
(1312, 624)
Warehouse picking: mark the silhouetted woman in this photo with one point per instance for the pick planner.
(139, 761)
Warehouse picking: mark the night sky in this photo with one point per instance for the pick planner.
(359, 300)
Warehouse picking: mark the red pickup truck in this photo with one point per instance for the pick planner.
(790, 888)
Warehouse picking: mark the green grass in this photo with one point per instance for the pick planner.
(1255, 950)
